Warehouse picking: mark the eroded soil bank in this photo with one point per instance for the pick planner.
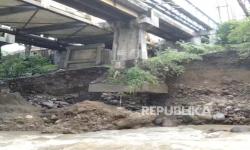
(59, 102)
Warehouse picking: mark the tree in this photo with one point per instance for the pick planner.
(241, 33)
(224, 30)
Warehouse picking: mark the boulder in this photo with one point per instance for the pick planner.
(240, 129)
(219, 117)
(169, 122)
(48, 104)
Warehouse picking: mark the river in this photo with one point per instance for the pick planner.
(176, 138)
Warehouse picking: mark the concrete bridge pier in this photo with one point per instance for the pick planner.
(59, 58)
(129, 44)
(196, 40)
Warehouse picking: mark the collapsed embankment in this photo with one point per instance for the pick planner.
(220, 81)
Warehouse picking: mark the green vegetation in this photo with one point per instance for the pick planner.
(201, 49)
(242, 49)
(235, 35)
(166, 65)
(13, 66)
(234, 32)
(169, 63)
(134, 77)
(224, 32)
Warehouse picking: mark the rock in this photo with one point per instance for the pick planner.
(240, 129)
(229, 108)
(237, 109)
(219, 117)
(61, 103)
(45, 119)
(225, 93)
(133, 122)
(158, 121)
(230, 97)
(29, 117)
(48, 104)
(58, 121)
(217, 130)
(54, 99)
(169, 122)
(53, 117)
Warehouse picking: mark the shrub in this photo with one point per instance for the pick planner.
(200, 49)
(234, 32)
(242, 49)
(224, 30)
(13, 66)
(241, 33)
(133, 77)
(169, 63)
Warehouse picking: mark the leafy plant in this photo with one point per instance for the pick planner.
(224, 31)
(169, 63)
(13, 66)
(133, 77)
(241, 33)
(242, 49)
(166, 65)
(234, 32)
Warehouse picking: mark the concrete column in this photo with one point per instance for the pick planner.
(59, 58)
(129, 43)
(212, 37)
(27, 50)
(0, 52)
(196, 40)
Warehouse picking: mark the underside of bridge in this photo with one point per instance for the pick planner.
(113, 11)
(48, 27)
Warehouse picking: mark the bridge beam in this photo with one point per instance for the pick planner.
(129, 44)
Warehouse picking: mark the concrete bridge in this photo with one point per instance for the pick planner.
(131, 19)
(127, 22)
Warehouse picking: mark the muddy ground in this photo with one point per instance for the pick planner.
(59, 102)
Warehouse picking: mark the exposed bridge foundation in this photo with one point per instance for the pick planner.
(129, 43)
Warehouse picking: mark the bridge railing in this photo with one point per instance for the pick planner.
(197, 12)
(185, 12)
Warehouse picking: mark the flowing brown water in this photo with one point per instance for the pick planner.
(177, 138)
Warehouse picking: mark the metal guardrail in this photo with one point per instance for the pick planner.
(201, 15)
(245, 6)
(191, 16)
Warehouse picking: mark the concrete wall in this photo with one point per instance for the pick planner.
(129, 42)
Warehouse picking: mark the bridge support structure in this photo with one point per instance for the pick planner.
(129, 44)
(196, 40)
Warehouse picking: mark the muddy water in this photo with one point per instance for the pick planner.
(179, 138)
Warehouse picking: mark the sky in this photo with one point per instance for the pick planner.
(210, 7)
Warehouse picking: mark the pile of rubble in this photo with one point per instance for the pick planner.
(92, 116)
(49, 102)
(229, 104)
